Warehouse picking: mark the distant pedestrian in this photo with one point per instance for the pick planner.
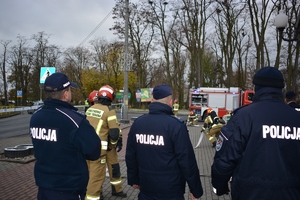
(160, 158)
(175, 107)
(291, 99)
(63, 139)
(258, 149)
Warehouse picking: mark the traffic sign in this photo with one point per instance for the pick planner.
(19, 93)
(119, 95)
(45, 72)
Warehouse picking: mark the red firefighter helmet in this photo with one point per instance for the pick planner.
(192, 113)
(209, 110)
(93, 96)
(175, 101)
(106, 92)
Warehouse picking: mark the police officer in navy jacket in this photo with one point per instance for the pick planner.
(291, 98)
(63, 139)
(159, 155)
(258, 149)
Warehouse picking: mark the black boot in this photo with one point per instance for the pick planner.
(214, 144)
(101, 196)
(118, 194)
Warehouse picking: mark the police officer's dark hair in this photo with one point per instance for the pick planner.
(57, 94)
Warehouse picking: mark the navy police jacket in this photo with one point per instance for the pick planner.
(294, 105)
(159, 155)
(63, 139)
(259, 149)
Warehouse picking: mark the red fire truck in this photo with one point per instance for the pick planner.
(222, 100)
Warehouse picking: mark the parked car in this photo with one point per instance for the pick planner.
(35, 106)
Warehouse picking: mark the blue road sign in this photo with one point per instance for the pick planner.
(45, 72)
(19, 93)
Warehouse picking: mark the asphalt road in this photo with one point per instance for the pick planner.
(15, 125)
(19, 124)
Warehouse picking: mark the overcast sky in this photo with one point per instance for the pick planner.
(68, 22)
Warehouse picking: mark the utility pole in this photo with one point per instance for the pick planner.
(126, 57)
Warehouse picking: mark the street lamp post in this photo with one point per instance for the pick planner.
(125, 92)
(280, 22)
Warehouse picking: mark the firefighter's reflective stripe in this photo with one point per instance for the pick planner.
(89, 197)
(114, 142)
(104, 145)
(113, 117)
(176, 107)
(214, 125)
(99, 125)
(210, 121)
(116, 182)
(92, 112)
(211, 139)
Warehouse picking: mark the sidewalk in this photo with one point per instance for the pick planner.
(17, 181)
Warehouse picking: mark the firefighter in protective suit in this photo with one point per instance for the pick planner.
(105, 122)
(212, 126)
(175, 107)
(192, 118)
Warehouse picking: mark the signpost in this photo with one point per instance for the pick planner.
(19, 93)
(119, 95)
(45, 72)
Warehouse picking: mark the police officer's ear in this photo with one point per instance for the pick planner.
(65, 94)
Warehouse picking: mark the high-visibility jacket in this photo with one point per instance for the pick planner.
(105, 122)
(175, 107)
(104, 119)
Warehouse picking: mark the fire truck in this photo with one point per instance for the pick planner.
(221, 100)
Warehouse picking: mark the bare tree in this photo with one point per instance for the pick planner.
(3, 69)
(194, 16)
(39, 53)
(164, 24)
(230, 24)
(141, 34)
(260, 13)
(179, 62)
(243, 50)
(100, 47)
(20, 61)
(75, 60)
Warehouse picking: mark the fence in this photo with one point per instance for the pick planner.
(6, 109)
(9, 109)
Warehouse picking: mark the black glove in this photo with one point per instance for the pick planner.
(219, 181)
(216, 120)
(222, 191)
(119, 144)
(222, 121)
